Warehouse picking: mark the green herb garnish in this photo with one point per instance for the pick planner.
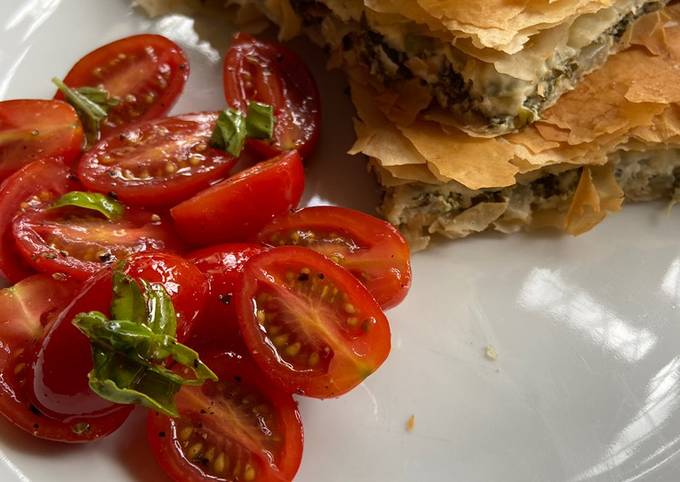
(92, 105)
(105, 205)
(130, 349)
(233, 127)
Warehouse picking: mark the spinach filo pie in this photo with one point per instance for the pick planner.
(486, 66)
(615, 136)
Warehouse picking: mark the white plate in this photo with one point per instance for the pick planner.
(586, 386)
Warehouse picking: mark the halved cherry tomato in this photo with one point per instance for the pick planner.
(79, 243)
(239, 207)
(223, 266)
(37, 129)
(270, 73)
(371, 249)
(146, 73)
(26, 310)
(30, 187)
(238, 429)
(309, 324)
(156, 163)
(60, 371)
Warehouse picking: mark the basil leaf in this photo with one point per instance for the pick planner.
(230, 132)
(95, 201)
(260, 120)
(92, 105)
(128, 302)
(121, 380)
(161, 316)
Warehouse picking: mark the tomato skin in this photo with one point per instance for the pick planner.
(310, 325)
(223, 265)
(153, 70)
(82, 235)
(270, 73)
(65, 357)
(37, 129)
(371, 249)
(46, 179)
(135, 165)
(26, 311)
(236, 209)
(279, 463)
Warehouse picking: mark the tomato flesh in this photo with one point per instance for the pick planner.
(270, 73)
(145, 73)
(27, 189)
(37, 129)
(79, 243)
(239, 207)
(156, 163)
(371, 249)
(237, 429)
(223, 265)
(310, 325)
(26, 311)
(65, 357)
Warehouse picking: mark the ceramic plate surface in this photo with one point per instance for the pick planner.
(586, 384)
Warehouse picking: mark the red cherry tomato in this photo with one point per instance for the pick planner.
(65, 358)
(369, 248)
(309, 324)
(238, 429)
(223, 266)
(79, 243)
(37, 129)
(156, 163)
(270, 73)
(239, 207)
(30, 187)
(146, 73)
(26, 310)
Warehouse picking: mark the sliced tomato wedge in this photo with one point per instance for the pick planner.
(145, 73)
(60, 379)
(27, 189)
(78, 243)
(223, 265)
(26, 310)
(309, 324)
(238, 429)
(156, 163)
(268, 72)
(236, 209)
(37, 129)
(371, 249)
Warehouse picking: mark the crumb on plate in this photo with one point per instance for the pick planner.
(490, 353)
(411, 423)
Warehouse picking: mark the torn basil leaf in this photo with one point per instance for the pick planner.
(130, 353)
(92, 105)
(260, 120)
(230, 132)
(105, 205)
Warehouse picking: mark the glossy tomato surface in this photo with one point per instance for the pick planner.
(310, 325)
(37, 129)
(237, 429)
(79, 243)
(269, 73)
(223, 265)
(65, 358)
(145, 73)
(26, 310)
(236, 209)
(156, 163)
(371, 249)
(29, 188)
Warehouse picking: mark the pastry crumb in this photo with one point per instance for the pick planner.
(411, 423)
(490, 353)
